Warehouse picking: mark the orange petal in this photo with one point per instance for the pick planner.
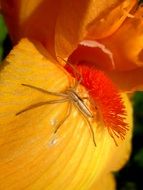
(126, 43)
(94, 53)
(33, 18)
(72, 22)
(31, 157)
(59, 25)
(102, 58)
(122, 52)
(109, 21)
(124, 48)
(128, 80)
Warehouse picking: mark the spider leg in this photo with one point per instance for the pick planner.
(77, 75)
(90, 127)
(65, 118)
(91, 130)
(84, 98)
(41, 104)
(45, 91)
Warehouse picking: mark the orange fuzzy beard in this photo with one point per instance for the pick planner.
(106, 98)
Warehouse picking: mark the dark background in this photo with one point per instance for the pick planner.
(131, 176)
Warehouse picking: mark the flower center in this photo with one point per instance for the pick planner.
(104, 97)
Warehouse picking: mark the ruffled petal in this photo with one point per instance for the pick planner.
(31, 156)
(59, 25)
(102, 58)
(94, 53)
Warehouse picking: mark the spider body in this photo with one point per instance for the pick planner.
(78, 102)
(71, 96)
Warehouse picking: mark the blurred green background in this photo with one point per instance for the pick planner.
(3, 34)
(131, 176)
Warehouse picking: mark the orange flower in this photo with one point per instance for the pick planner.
(115, 26)
(32, 157)
(99, 35)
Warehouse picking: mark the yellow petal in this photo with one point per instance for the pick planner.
(105, 182)
(31, 157)
(122, 154)
(59, 25)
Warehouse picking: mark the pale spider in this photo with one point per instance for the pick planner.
(69, 95)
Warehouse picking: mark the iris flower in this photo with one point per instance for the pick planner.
(102, 41)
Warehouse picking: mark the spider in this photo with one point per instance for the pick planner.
(71, 96)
